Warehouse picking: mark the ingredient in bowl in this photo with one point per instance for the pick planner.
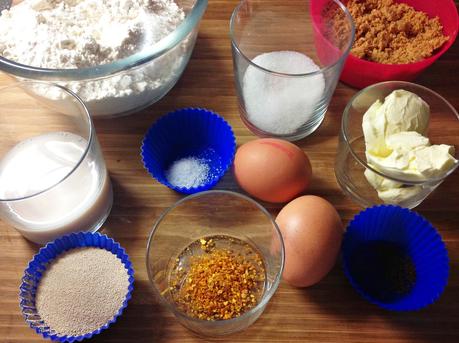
(383, 270)
(272, 169)
(217, 278)
(81, 290)
(393, 33)
(86, 33)
(281, 104)
(188, 172)
(395, 146)
(312, 232)
(401, 111)
(72, 204)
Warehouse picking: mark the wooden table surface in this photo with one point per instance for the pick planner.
(330, 311)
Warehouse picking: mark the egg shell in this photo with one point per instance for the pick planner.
(272, 170)
(312, 232)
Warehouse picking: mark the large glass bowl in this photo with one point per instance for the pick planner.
(207, 214)
(150, 73)
(351, 162)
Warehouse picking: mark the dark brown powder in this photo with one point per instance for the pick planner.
(383, 269)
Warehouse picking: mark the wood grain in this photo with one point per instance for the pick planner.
(328, 312)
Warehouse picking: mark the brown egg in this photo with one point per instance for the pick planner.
(272, 169)
(312, 233)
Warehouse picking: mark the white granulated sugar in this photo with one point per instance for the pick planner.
(282, 104)
(83, 33)
(188, 172)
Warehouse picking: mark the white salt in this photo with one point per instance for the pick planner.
(188, 172)
(282, 104)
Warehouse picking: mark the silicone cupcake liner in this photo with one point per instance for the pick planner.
(40, 262)
(189, 132)
(395, 230)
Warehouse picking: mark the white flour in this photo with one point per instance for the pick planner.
(84, 33)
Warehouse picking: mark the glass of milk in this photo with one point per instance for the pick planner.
(53, 178)
(287, 58)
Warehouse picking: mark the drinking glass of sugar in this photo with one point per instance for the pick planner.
(53, 178)
(287, 58)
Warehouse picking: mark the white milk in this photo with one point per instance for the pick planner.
(80, 202)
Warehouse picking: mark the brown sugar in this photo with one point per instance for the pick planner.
(393, 33)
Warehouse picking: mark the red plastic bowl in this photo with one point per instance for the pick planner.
(360, 73)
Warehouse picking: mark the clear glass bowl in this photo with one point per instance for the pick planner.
(351, 162)
(150, 74)
(274, 99)
(206, 214)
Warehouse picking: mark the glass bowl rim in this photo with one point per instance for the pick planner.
(344, 132)
(266, 296)
(104, 70)
(342, 58)
(85, 114)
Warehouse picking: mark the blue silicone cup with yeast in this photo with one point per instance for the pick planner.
(415, 237)
(189, 132)
(40, 262)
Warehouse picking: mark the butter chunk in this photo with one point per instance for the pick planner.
(434, 160)
(374, 127)
(380, 183)
(389, 191)
(396, 146)
(405, 111)
(398, 195)
(399, 161)
(407, 140)
(401, 111)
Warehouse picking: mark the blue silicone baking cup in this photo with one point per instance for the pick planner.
(390, 230)
(189, 132)
(41, 261)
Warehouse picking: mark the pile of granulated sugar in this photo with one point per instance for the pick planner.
(83, 33)
(188, 172)
(282, 104)
(81, 291)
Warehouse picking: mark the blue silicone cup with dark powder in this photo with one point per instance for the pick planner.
(40, 262)
(395, 258)
(189, 132)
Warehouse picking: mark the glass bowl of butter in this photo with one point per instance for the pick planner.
(398, 142)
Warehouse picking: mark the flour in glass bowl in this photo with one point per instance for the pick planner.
(63, 34)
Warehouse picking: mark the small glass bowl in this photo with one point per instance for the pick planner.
(206, 214)
(351, 163)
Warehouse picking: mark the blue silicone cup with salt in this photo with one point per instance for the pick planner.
(189, 133)
(38, 265)
(400, 232)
